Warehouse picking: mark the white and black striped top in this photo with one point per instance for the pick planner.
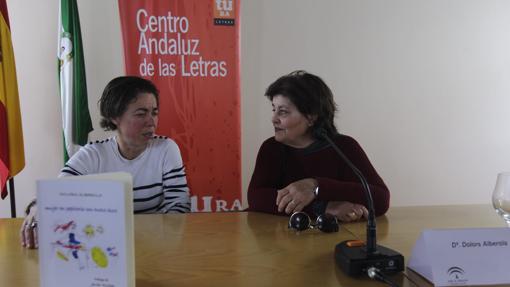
(159, 177)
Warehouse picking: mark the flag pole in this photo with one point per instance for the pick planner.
(12, 197)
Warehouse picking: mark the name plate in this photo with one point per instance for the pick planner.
(455, 257)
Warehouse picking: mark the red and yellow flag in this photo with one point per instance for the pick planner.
(12, 157)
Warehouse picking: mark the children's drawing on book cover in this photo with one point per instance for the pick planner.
(82, 244)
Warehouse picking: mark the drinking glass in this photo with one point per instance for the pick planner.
(501, 196)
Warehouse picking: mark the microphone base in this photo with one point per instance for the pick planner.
(355, 262)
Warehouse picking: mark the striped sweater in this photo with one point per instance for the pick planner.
(159, 178)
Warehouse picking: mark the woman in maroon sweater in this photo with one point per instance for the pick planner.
(297, 170)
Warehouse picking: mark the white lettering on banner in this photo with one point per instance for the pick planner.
(225, 7)
(146, 69)
(172, 41)
(203, 68)
(166, 46)
(166, 24)
(219, 204)
(166, 69)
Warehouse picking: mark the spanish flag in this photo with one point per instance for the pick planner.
(12, 156)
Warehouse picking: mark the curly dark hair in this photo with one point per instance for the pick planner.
(311, 96)
(118, 94)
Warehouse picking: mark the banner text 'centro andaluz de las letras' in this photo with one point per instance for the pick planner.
(190, 50)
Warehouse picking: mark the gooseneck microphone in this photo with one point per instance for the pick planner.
(371, 226)
(356, 258)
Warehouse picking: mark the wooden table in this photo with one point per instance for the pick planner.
(248, 249)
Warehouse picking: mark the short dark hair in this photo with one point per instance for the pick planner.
(118, 94)
(311, 96)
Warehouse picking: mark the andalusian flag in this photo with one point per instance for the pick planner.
(73, 87)
(12, 156)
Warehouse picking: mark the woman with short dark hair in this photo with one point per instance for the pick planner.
(297, 170)
(130, 105)
(118, 94)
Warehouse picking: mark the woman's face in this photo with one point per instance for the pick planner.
(137, 125)
(290, 126)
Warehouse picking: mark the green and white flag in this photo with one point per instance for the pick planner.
(73, 87)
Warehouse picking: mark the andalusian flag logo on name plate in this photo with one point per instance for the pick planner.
(73, 87)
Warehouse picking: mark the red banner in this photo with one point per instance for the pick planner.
(190, 50)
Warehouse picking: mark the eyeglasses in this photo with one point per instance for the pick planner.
(300, 221)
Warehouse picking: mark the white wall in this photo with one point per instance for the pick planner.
(33, 28)
(422, 85)
(34, 34)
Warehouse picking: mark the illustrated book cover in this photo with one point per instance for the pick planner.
(86, 231)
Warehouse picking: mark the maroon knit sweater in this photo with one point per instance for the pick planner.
(278, 165)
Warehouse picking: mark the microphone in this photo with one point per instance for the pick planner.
(356, 258)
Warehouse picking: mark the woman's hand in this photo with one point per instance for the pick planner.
(28, 231)
(346, 211)
(296, 195)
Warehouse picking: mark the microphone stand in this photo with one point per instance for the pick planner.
(354, 259)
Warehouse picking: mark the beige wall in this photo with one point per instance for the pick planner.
(422, 85)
